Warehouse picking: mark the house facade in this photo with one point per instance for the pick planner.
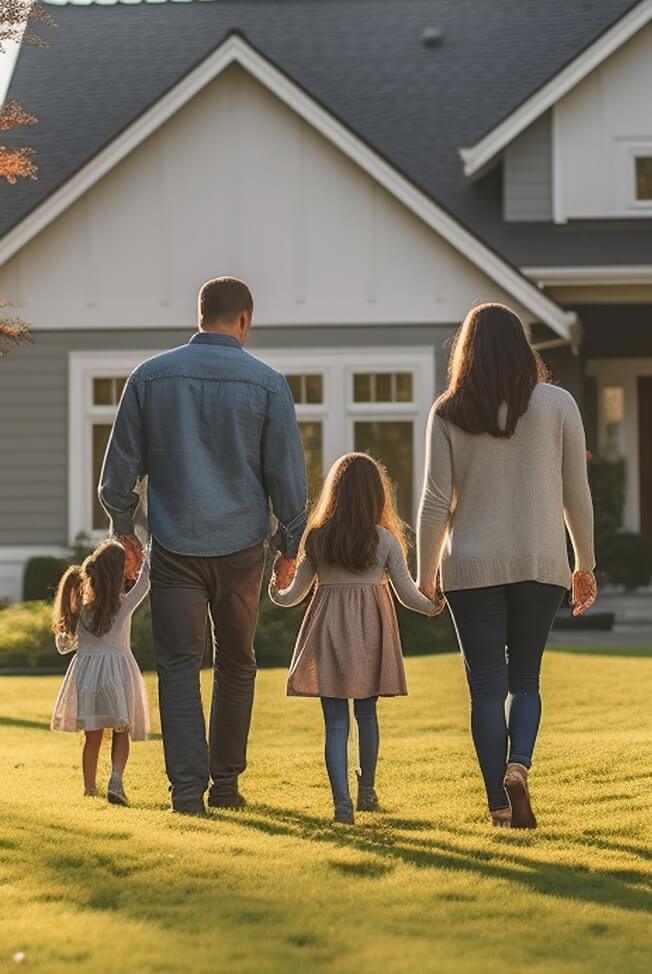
(369, 190)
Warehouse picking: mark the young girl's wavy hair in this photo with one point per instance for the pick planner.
(357, 497)
(96, 586)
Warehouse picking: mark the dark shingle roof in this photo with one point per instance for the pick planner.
(362, 59)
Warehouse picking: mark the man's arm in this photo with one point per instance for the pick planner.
(124, 463)
(284, 469)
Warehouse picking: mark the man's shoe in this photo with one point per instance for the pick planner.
(194, 811)
(226, 799)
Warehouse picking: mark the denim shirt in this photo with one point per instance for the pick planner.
(215, 432)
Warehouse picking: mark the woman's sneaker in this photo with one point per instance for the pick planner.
(516, 786)
(344, 813)
(367, 798)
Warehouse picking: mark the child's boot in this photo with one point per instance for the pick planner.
(367, 797)
(344, 813)
(115, 792)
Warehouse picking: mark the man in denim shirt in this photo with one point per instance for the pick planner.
(214, 431)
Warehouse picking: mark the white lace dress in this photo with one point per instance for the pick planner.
(104, 686)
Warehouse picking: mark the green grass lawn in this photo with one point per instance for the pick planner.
(425, 886)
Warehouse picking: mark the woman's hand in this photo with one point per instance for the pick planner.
(434, 593)
(584, 592)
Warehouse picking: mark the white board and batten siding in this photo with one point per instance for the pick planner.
(598, 129)
(343, 275)
(527, 174)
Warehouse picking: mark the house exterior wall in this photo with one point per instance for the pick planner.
(527, 174)
(44, 458)
(598, 128)
(235, 182)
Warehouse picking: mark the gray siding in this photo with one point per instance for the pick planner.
(527, 174)
(34, 410)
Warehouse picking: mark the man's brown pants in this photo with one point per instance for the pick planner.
(184, 589)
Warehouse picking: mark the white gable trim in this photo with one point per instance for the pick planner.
(580, 276)
(478, 156)
(236, 50)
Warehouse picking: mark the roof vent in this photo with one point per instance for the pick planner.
(431, 37)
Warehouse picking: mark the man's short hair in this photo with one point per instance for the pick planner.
(223, 298)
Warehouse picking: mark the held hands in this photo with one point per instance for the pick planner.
(134, 556)
(433, 592)
(283, 571)
(584, 592)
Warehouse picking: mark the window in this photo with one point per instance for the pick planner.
(308, 393)
(306, 389)
(643, 166)
(101, 434)
(613, 418)
(392, 443)
(107, 391)
(382, 387)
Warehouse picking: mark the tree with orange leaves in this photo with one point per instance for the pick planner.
(16, 162)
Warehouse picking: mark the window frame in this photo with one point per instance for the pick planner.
(337, 412)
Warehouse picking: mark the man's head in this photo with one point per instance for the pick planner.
(226, 305)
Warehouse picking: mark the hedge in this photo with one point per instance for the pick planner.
(27, 643)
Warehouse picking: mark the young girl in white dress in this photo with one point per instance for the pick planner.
(103, 687)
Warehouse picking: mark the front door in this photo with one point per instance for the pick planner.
(645, 452)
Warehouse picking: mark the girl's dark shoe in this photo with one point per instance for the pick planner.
(344, 813)
(516, 786)
(367, 798)
(116, 796)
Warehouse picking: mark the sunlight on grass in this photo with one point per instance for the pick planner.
(426, 885)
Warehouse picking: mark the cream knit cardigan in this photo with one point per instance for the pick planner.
(493, 510)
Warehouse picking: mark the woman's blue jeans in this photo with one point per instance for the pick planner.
(502, 632)
(337, 720)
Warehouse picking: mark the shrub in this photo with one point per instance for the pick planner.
(27, 643)
(42, 576)
(626, 559)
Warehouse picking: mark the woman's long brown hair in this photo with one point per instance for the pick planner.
(492, 364)
(356, 498)
(96, 587)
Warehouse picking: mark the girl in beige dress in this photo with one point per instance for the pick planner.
(103, 687)
(349, 645)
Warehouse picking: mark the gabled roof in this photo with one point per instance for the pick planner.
(476, 157)
(236, 49)
(362, 60)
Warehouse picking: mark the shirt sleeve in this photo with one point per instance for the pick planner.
(139, 589)
(284, 470)
(578, 506)
(436, 497)
(124, 463)
(402, 582)
(303, 581)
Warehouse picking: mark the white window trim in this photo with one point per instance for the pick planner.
(633, 151)
(337, 410)
(83, 367)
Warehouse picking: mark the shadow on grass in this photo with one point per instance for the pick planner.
(44, 725)
(624, 889)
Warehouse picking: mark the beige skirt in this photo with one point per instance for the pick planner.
(348, 645)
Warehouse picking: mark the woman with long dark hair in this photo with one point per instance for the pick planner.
(505, 475)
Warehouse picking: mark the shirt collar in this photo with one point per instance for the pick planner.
(214, 338)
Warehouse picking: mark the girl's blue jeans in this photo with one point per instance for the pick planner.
(337, 720)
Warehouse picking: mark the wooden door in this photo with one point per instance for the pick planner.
(645, 452)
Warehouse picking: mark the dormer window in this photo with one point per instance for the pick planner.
(643, 168)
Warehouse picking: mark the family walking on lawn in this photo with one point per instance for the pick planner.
(214, 431)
